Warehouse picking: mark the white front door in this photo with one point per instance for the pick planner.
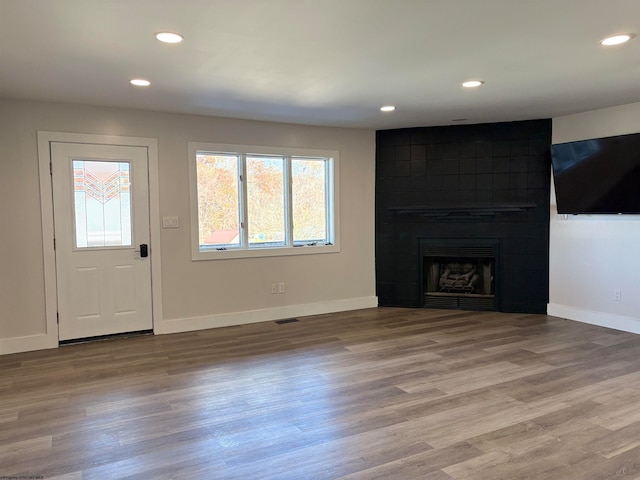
(101, 223)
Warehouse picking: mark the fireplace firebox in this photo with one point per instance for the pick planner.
(460, 273)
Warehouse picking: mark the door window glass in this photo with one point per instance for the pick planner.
(102, 204)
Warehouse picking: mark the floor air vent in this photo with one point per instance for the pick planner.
(286, 320)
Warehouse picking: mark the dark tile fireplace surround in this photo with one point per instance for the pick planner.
(462, 216)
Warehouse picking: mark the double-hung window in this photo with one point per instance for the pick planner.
(250, 201)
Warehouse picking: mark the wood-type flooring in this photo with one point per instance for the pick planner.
(382, 393)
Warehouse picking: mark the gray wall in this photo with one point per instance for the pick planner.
(202, 290)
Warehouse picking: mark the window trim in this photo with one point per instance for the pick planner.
(332, 186)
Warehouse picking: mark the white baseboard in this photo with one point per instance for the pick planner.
(609, 320)
(264, 315)
(44, 341)
(27, 344)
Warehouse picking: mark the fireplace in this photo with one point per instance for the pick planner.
(450, 186)
(459, 273)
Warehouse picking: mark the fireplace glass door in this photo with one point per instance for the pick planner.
(459, 274)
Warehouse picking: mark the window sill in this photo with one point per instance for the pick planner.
(263, 252)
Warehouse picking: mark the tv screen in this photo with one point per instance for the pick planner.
(598, 176)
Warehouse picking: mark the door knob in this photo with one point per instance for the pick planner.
(144, 250)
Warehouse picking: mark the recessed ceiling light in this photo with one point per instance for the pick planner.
(140, 82)
(472, 83)
(617, 39)
(387, 108)
(169, 37)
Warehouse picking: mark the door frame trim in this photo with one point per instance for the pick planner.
(46, 204)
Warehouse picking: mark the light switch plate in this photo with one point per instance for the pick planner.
(170, 222)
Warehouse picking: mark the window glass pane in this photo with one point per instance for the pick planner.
(265, 201)
(102, 204)
(218, 204)
(308, 178)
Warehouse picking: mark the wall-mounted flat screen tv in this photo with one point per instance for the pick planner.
(598, 176)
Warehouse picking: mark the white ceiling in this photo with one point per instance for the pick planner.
(325, 62)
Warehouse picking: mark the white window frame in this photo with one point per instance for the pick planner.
(333, 207)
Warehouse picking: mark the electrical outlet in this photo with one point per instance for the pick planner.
(274, 288)
(281, 287)
(617, 295)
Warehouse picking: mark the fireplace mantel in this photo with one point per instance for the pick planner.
(461, 210)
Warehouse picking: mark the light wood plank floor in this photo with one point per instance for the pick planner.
(383, 393)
